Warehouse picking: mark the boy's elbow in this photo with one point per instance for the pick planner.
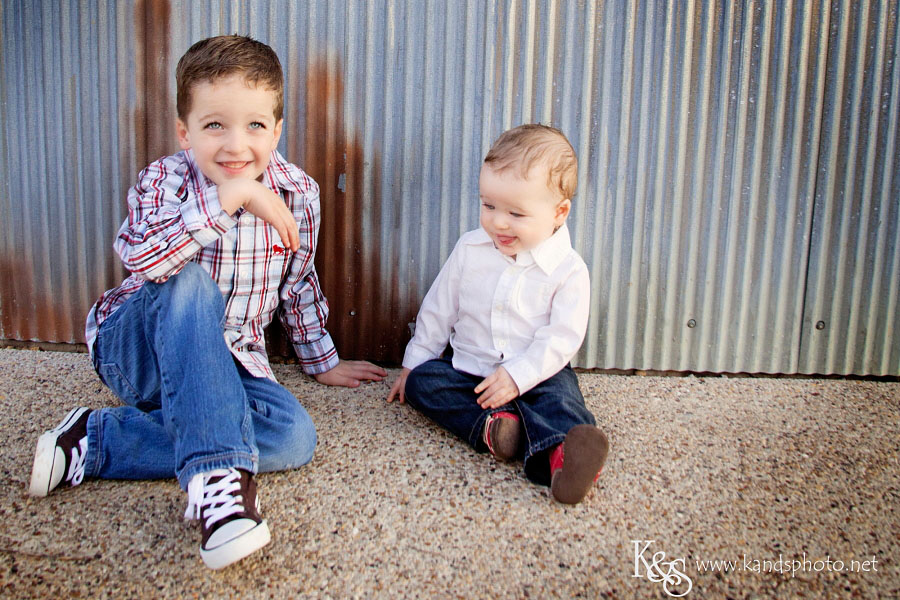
(151, 275)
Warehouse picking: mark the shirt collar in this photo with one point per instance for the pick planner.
(279, 174)
(547, 255)
(550, 253)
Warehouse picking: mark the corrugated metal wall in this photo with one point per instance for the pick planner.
(738, 191)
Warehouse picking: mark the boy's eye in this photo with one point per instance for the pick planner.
(257, 125)
(213, 125)
(516, 214)
(487, 206)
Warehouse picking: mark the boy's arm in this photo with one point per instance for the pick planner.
(304, 306)
(168, 222)
(305, 312)
(167, 225)
(557, 342)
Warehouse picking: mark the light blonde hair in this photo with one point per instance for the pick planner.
(525, 147)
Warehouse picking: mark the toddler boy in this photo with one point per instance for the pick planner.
(219, 237)
(512, 300)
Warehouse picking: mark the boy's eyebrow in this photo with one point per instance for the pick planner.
(217, 115)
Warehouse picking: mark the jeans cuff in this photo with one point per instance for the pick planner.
(94, 438)
(237, 460)
(546, 444)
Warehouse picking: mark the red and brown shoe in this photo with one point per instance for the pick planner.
(502, 435)
(576, 463)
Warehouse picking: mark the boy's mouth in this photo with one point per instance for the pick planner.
(506, 240)
(234, 166)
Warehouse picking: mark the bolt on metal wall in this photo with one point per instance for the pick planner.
(738, 179)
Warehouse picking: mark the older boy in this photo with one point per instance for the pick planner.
(218, 237)
(512, 300)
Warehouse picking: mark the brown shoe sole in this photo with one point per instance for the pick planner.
(585, 449)
(505, 437)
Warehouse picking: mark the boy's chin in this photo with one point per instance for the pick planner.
(221, 178)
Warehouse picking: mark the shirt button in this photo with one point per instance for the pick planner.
(499, 308)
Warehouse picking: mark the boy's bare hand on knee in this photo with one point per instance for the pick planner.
(497, 389)
(398, 390)
(350, 373)
(259, 200)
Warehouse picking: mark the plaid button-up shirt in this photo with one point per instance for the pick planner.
(174, 217)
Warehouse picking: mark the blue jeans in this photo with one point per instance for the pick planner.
(548, 411)
(190, 406)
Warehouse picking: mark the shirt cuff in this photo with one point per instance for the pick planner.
(204, 217)
(414, 356)
(523, 373)
(318, 356)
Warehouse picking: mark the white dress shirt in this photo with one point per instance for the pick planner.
(527, 314)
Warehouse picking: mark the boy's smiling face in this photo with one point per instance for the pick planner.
(518, 214)
(231, 128)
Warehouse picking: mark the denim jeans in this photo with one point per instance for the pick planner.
(548, 410)
(190, 406)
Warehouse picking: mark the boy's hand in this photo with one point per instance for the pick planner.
(399, 387)
(498, 387)
(350, 373)
(259, 200)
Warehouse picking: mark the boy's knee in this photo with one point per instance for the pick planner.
(416, 382)
(192, 287)
(295, 445)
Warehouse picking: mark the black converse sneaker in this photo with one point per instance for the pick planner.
(60, 454)
(225, 502)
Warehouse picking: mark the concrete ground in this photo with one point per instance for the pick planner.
(761, 472)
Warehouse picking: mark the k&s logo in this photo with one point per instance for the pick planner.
(657, 569)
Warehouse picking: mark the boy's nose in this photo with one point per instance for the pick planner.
(234, 142)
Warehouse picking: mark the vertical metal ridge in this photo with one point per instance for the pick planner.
(672, 325)
(643, 153)
(857, 292)
(890, 353)
(695, 290)
(849, 183)
(621, 163)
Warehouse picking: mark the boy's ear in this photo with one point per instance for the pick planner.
(184, 139)
(278, 127)
(562, 212)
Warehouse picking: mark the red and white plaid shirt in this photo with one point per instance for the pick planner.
(174, 216)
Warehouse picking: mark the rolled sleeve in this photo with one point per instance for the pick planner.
(204, 218)
(317, 356)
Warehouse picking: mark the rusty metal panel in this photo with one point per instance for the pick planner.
(851, 318)
(61, 164)
(702, 208)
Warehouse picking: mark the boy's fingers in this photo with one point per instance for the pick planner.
(365, 370)
(397, 391)
(485, 384)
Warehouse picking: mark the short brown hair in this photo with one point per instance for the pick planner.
(217, 57)
(526, 146)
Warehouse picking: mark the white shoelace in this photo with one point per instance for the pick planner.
(76, 466)
(219, 497)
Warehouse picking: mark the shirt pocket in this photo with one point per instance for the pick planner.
(533, 298)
